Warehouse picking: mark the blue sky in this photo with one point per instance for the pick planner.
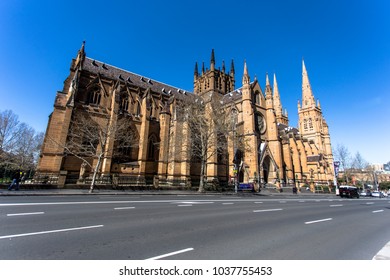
(345, 45)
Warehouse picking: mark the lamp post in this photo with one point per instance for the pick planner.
(259, 151)
(235, 160)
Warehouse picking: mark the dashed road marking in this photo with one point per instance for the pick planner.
(25, 214)
(49, 231)
(171, 254)
(267, 210)
(318, 221)
(123, 208)
(377, 211)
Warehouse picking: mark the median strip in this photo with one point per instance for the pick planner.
(49, 231)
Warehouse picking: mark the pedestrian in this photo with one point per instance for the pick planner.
(15, 181)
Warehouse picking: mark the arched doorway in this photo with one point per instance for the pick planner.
(241, 176)
(266, 167)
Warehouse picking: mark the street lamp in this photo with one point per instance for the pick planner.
(236, 160)
(259, 152)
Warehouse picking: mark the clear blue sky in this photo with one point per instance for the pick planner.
(345, 45)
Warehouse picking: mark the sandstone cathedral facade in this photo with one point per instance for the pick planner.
(275, 153)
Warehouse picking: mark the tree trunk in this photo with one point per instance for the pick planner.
(201, 183)
(95, 172)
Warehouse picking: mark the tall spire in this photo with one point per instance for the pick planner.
(196, 73)
(82, 49)
(277, 102)
(232, 69)
(307, 93)
(245, 77)
(268, 89)
(80, 55)
(212, 60)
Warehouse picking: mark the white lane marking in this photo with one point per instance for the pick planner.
(384, 253)
(171, 254)
(183, 205)
(369, 203)
(123, 208)
(267, 210)
(336, 205)
(227, 203)
(192, 202)
(283, 201)
(258, 202)
(25, 214)
(377, 211)
(318, 221)
(49, 231)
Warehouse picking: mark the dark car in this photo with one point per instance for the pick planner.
(349, 191)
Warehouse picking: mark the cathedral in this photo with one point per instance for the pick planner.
(259, 148)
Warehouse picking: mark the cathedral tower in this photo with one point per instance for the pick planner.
(213, 80)
(311, 121)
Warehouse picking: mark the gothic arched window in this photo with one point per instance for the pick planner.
(138, 109)
(310, 124)
(257, 97)
(124, 105)
(94, 96)
(152, 148)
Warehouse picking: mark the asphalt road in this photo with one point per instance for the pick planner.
(192, 227)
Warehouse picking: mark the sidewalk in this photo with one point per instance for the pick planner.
(97, 191)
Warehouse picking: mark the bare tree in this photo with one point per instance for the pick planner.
(208, 128)
(358, 162)
(19, 143)
(27, 147)
(9, 133)
(94, 138)
(342, 154)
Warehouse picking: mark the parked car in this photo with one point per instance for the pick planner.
(365, 193)
(377, 194)
(349, 191)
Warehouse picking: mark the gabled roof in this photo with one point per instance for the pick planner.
(118, 74)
